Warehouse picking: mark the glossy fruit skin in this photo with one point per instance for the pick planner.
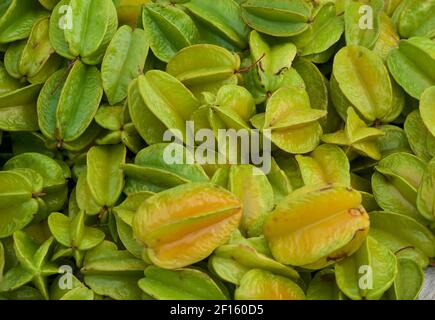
(262, 285)
(294, 227)
(180, 221)
(113, 184)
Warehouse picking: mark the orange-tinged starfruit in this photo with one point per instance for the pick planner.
(314, 227)
(183, 225)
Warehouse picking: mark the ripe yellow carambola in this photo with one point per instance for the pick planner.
(313, 228)
(185, 224)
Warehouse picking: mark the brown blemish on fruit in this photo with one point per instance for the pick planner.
(404, 248)
(355, 212)
(38, 194)
(339, 257)
(327, 187)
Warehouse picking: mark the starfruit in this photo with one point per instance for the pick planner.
(68, 103)
(322, 33)
(368, 273)
(280, 18)
(388, 38)
(123, 61)
(412, 65)
(181, 284)
(327, 164)
(18, 109)
(124, 216)
(168, 29)
(280, 182)
(158, 101)
(408, 282)
(355, 71)
(113, 273)
(316, 86)
(183, 225)
(17, 205)
(33, 265)
(73, 235)
(293, 123)
(59, 290)
(323, 286)
(396, 181)
(213, 67)
(426, 192)
(427, 109)
(230, 108)
(83, 197)
(403, 235)
(263, 285)
(33, 59)
(253, 189)
(236, 99)
(119, 129)
(91, 195)
(229, 26)
(105, 176)
(7, 83)
(48, 174)
(415, 18)
(420, 139)
(272, 63)
(70, 36)
(315, 227)
(356, 136)
(232, 261)
(394, 140)
(363, 30)
(17, 18)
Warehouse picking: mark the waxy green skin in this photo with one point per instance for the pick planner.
(383, 264)
(68, 102)
(181, 284)
(168, 29)
(17, 19)
(229, 26)
(33, 60)
(405, 236)
(123, 61)
(89, 89)
(93, 24)
(395, 184)
(33, 265)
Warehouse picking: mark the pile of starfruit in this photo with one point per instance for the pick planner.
(104, 194)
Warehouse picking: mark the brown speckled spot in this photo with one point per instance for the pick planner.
(355, 212)
(327, 187)
(339, 257)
